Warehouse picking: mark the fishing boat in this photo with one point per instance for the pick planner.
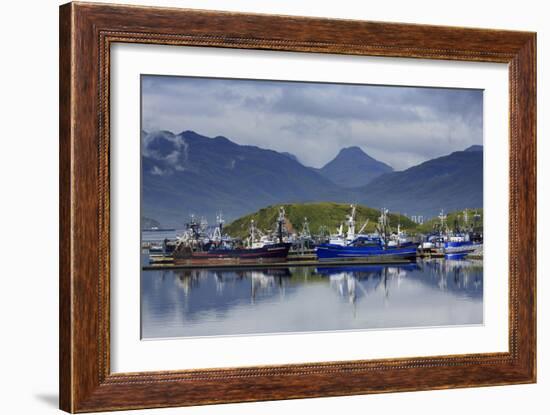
(457, 242)
(342, 238)
(303, 244)
(194, 247)
(363, 248)
(162, 249)
(461, 240)
(377, 247)
(458, 245)
(269, 253)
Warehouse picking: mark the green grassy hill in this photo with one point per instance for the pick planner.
(327, 214)
(451, 217)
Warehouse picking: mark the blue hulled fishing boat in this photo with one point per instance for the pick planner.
(460, 242)
(458, 246)
(382, 246)
(366, 248)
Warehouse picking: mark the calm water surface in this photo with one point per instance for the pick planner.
(208, 302)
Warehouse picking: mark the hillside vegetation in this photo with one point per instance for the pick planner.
(327, 214)
(330, 215)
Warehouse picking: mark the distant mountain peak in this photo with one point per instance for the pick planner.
(475, 147)
(352, 149)
(188, 132)
(352, 167)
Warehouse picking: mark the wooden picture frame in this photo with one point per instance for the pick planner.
(86, 33)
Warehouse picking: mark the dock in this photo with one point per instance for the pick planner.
(285, 264)
(429, 255)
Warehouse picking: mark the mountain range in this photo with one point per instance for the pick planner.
(188, 173)
(191, 174)
(451, 182)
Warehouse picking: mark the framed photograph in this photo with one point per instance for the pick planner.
(258, 207)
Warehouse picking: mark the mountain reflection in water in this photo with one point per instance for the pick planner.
(208, 302)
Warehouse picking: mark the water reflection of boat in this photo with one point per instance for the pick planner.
(350, 282)
(293, 299)
(463, 275)
(365, 269)
(345, 284)
(261, 280)
(264, 284)
(356, 281)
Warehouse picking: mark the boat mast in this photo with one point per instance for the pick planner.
(217, 236)
(364, 226)
(442, 223)
(351, 222)
(281, 223)
(383, 226)
(305, 229)
(251, 233)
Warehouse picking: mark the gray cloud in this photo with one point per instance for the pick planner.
(401, 126)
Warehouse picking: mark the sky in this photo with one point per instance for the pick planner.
(401, 126)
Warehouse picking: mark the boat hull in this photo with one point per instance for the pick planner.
(328, 252)
(459, 247)
(265, 254)
(458, 250)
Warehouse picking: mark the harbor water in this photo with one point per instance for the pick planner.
(243, 301)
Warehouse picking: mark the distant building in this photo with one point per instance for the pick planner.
(419, 220)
